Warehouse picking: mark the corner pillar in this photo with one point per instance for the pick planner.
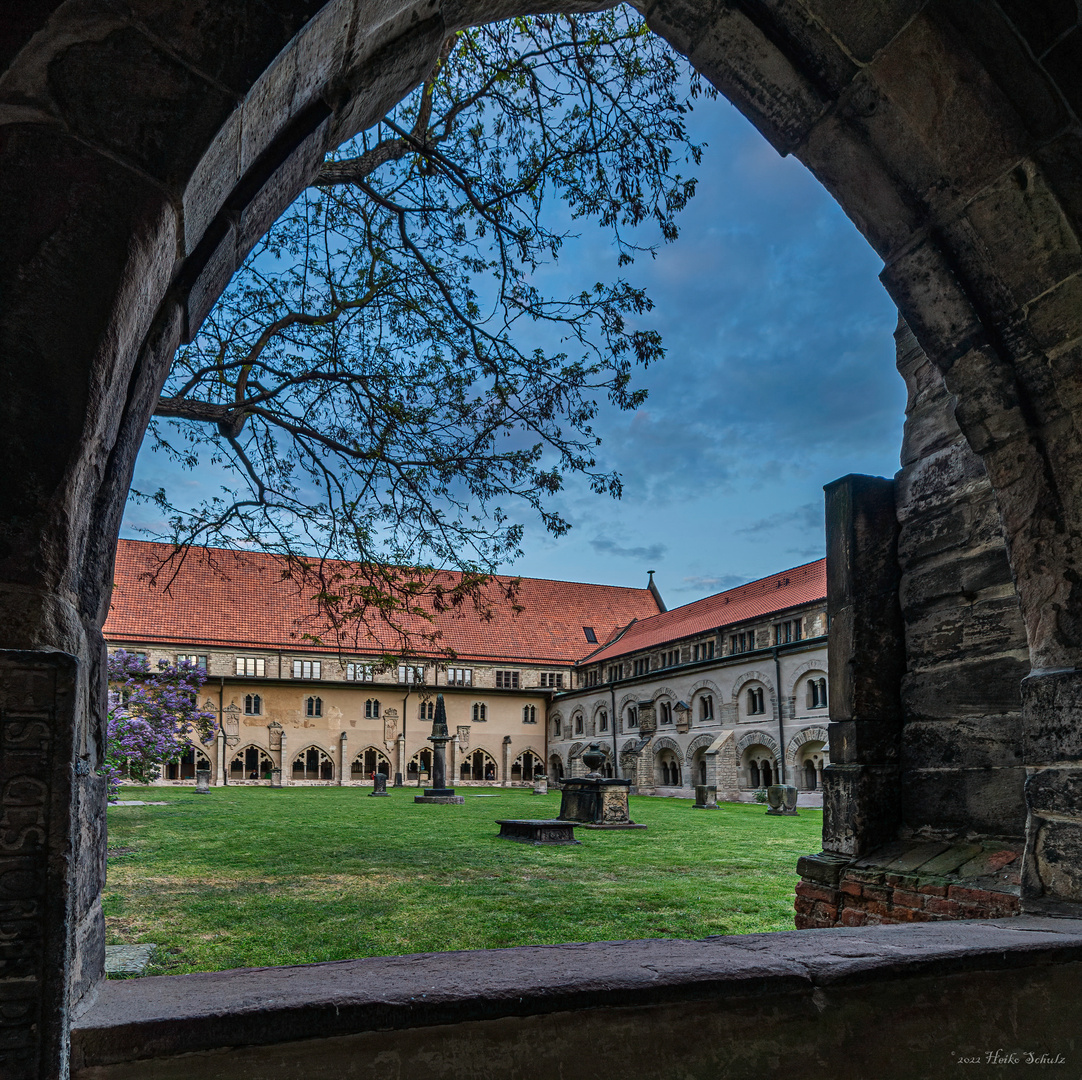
(505, 763)
(343, 758)
(866, 658)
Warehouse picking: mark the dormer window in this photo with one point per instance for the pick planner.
(591, 637)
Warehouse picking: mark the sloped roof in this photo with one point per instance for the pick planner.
(801, 585)
(237, 599)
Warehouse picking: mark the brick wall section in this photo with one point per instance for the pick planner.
(869, 898)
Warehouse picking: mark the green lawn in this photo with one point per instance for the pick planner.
(254, 876)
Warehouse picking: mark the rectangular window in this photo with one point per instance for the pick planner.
(786, 632)
(460, 676)
(670, 658)
(705, 651)
(642, 667)
(359, 673)
(506, 680)
(593, 677)
(743, 642)
(632, 717)
(614, 673)
(252, 667)
(307, 669)
(409, 674)
(197, 660)
(553, 680)
(591, 637)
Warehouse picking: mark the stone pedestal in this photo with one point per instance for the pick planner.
(781, 800)
(448, 800)
(276, 778)
(202, 781)
(706, 797)
(381, 786)
(597, 803)
(540, 785)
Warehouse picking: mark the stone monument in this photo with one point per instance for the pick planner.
(592, 801)
(202, 781)
(381, 785)
(706, 797)
(781, 799)
(276, 777)
(540, 784)
(439, 792)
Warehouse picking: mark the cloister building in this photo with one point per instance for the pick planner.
(731, 690)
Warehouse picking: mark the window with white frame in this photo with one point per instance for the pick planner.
(411, 673)
(359, 673)
(552, 680)
(252, 667)
(197, 660)
(459, 676)
(506, 680)
(307, 669)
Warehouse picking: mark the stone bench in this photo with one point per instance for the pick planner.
(537, 831)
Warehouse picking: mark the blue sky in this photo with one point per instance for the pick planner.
(779, 377)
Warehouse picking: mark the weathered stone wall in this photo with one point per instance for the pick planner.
(965, 642)
(938, 744)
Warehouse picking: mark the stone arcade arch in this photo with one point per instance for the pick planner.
(948, 134)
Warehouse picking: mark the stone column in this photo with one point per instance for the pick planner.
(283, 759)
(505, 764)
(343, 758)
(400, 754)
(1052, 750)
(221, 770)
(452, 758)
(866, 656)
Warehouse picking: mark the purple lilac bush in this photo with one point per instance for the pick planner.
(151, 716)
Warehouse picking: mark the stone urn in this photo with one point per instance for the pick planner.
(781, 799)
(593, 757)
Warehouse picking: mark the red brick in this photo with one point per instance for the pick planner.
(980, 897)
(932, 890)
(876, 893)
(878, 908)
(811, 891)
(948, 908)
(850, 917)
(904, 898)
(865, 877)
(852, 888)
(906, 881)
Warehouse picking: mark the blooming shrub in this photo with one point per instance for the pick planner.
(151, 716)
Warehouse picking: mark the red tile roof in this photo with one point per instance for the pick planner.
(240, 600)
(788, 589)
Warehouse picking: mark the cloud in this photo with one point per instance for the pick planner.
(808, 516)
(706, 584)
(651, 553)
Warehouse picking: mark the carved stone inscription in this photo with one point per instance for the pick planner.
(32, 984)
(390, 727)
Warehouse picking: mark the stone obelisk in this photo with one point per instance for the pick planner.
(439, 792)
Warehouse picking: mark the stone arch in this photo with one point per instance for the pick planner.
(374, 756)
(752, 676)
(575, 750)
(803, 671)
(627, 699)
(599, 707)
(478, 763)
(816, 733)
(709, 685)
(312, 763)
(665, 743)
(628, 746)
(971, 210)
(757, 738)
(246, 758)
(700, 742)
(663, 692)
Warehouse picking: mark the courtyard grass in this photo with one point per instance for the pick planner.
(254, 876)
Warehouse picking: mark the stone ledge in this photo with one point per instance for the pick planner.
(164, 1016)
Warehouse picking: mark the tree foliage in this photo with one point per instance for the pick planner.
(152, 717)
(390, 374)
